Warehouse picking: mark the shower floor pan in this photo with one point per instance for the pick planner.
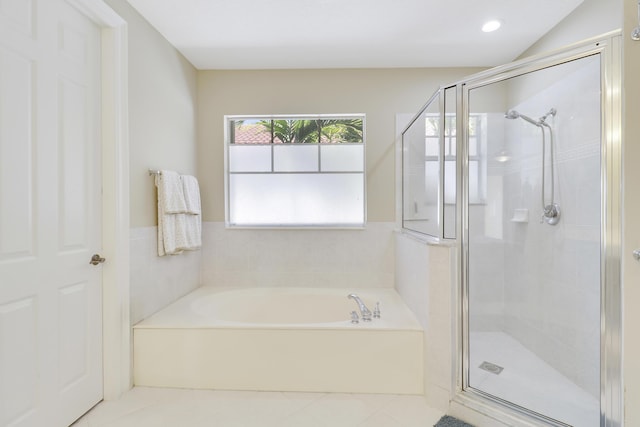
(189, 345)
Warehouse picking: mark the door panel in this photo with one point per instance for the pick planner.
(16, 162)
(50, 214)
(18, 367)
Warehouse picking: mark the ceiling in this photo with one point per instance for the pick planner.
(281, 34)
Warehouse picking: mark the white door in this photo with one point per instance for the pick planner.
(50, 214)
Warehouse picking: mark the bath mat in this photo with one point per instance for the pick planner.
(448, 421)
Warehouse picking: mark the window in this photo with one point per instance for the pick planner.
(294, 171)
(429, 157)
(432, 147)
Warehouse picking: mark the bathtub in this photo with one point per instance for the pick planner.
(281, 339)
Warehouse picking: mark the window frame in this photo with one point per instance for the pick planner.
(228, 121)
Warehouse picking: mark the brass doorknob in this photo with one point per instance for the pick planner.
(96, 259)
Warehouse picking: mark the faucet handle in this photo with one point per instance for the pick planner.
(354, 317)
(376, 311)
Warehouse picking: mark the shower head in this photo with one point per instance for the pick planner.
(513, 114)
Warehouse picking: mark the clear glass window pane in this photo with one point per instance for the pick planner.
(250, 132)
(431, 126)
(342, 131)
(316, 130)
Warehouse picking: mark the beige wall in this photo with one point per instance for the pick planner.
(592, 18)
(380, 93)
(162, 103)
(631, 217)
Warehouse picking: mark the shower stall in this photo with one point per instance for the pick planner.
(537, 215)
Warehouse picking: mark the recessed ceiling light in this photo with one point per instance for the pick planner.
(490, 26)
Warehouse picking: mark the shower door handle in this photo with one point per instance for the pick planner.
(636, 254)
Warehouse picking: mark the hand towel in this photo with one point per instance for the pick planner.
(171, 192)
(193, 219)
(191, 191)
(171, 217)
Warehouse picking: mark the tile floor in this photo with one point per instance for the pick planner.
(160, 407)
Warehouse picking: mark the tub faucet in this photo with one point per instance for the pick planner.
(364, 311)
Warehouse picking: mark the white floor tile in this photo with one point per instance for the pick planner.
(155, 407)
(384, 420)
(411, 411)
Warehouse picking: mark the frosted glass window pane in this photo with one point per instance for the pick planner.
(249, 158)
(296, 199)
(431, 181)
(473, 146)
(432, 147)
(342, 158)
(450, 181)
(295, 158)
(474, 193)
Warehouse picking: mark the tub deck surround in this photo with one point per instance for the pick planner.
(281, 339)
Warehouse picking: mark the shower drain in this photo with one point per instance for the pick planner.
(490, 367)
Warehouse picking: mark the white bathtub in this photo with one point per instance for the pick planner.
(287, 339)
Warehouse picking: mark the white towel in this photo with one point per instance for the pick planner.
(171, 192)
(178, 230)
(191, 191)
(171, 225)
(193, 219)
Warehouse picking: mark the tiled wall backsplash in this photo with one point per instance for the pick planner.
(158, 281)
(260, 258)
(334, 258)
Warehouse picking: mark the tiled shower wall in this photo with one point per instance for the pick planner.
(552, 301)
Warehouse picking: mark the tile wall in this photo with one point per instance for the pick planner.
(555, 308)
(298, 257)
(425, 279)
(158, 281)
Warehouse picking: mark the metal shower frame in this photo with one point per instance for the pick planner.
(608, 47)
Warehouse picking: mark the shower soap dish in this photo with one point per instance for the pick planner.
(520, 215)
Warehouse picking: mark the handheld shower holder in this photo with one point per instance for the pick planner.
(551, 214)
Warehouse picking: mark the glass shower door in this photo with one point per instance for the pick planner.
(534, 240)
